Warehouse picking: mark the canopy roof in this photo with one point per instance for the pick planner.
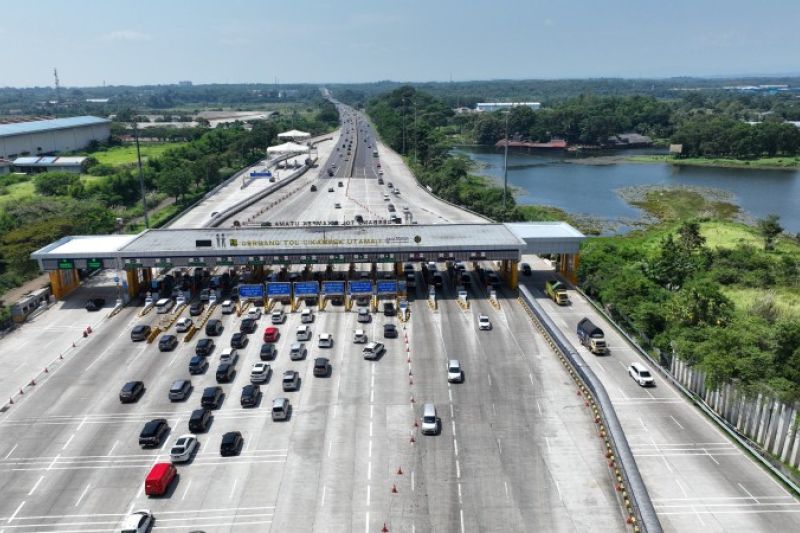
(287, 148)
(294, 134)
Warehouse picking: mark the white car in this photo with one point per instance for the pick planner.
(303, 333)
(254, 313)
(183, 449)
(138, 521)
(641, 375)
(306, 316)
(229, 355)
(454, 372)
(325, 340)
(260, 373)
(278, 316)
(484, 322)
(183, 324)
(359, 336)
(373, 350)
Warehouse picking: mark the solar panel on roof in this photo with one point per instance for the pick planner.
(46, 160)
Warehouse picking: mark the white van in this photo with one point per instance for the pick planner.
(430, 422)
(228, 307)
(164, 305)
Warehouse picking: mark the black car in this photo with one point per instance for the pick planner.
(225, 372)
(214, 327)
(199, 420)
(526, 269)
(231, 444)
(153, 433)
(212, 396)
(197, 308)
(131, 391)
(140, 333)
(389, 309)
(239, 340)
(250, 394)
(167, 343)
(95, 304)
(204, 347)
(198, 365)
(389, 331)
(268, 352)
(248, 325)
(313, 188)
(322, 367)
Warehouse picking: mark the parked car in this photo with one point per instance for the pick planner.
(231, 443)
(291, 380)
(140, 333)
(131, 392)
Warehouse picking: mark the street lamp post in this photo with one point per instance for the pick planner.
(403, 101)
(505, 168)
(416, 137)
(141, 176)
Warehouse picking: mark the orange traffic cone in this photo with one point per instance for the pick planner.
(394, 488)
(399, 471)
(384, 529)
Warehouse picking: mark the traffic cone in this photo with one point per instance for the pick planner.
(46, 371)
(416, 424)
(394, 488)
(61, 355)
(21, 391)
(410, 381)
(413, 440)
(384, 529)
(408, 359)
(11, 400)
(399, 471)
(412, 399)
(33, 382)
(84, 335)
(73, 344)
(88, 329)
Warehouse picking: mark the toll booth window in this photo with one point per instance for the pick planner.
(202, 243)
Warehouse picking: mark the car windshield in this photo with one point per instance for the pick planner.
(429, 419)
(454, 369)
(644, 374)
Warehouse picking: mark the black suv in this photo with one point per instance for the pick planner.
(248, 325)
(197, 308)
(214, 327)
(204, 347)
(231, 443)
(140, 333)
(250, 394)
(321, 367)
(389, 331)
(131, 391)
(95, 304)
(153, 433)
(388, 309)
(212, 396)
(268, 352)
(167, 343)
(239, 340)
(199, 421)
(225, 372)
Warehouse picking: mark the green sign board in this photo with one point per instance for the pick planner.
(255, 261)
(133, 264)
(163, 264)
(197, 263)
(226, 261)
(66, 264)
(94, 264)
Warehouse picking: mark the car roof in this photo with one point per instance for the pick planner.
(453, 362)
(320, 360)
(638, 366)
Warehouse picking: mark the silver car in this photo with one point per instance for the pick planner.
(183, 449)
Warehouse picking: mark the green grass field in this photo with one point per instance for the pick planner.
(126, 155)
(17, 192)
(764, 162)
(786, 300)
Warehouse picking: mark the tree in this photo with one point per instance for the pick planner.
(55, 183)
(770, 228)
(689, 237)
(174, 181)
(701, 303)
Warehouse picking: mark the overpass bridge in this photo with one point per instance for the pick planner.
(307, 245)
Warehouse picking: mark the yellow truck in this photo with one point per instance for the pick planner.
(557, 291)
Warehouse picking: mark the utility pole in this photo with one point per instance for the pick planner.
(404, 125)
(505, 168)
(141, 176)
(416, 137)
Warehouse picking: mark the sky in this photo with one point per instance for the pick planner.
(93, 42)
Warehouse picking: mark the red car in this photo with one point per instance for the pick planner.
(271, 334)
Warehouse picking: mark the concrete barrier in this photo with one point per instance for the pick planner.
(642, 506)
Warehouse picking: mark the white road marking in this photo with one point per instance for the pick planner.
(685, 494)
(676, 422)
(494, 411)
(412, 481)
(369, 494)
(748, 493)
(80, 498)
(334, 411)
(547, 443)
(489, 376)
(68, 441)
(505, 484)
(35, 486)
(539, 407)
(10, 452)
(322, 500)
(450, 393)
(643, 425)
(500, 448)
(369, 470)
(530, 376)
(711, 456)
(460, 501)
(370, 428)
(452, 412)
(372, 396)
(330, 446)
(455, 447)
(458, 470)
(112, 448)
(82, 423)
(366, 528)
(461, 514)
(558, 488)
(233, 489)
(13, 516)
(54, 461)
(370, 448)
(453, 423)
(187, 490)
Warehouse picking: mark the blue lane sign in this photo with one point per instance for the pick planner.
(306, 288)
(333, 287)
(387, 287)
(360, 287)
(251, 291)
(279, 289)
(266, 174)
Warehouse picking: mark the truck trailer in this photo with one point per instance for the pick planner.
(592, 337)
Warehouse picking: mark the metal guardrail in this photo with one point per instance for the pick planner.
(642, 506)
(752, 448)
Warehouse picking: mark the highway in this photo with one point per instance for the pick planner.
(697, 478)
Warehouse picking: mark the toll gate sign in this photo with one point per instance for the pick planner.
(306, 288)
(360, 287)
(333, 287)
(387, 287)
(277, 290)
(251, 291)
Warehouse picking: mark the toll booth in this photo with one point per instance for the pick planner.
(307, 291)
(356, 289)
(331, 290)
(278, 291)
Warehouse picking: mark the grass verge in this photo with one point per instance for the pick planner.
(773, 163)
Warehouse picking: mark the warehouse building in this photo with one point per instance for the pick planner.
(41, 137)
(489, 107)
(34, 164)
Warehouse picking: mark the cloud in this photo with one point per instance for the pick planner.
(127, 35)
